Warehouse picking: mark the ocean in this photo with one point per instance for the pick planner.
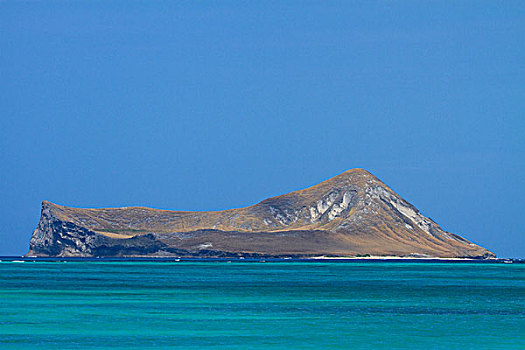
(261, 305)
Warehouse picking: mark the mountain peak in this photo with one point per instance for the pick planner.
(355, 174)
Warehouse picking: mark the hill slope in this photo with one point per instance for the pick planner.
(351, 214)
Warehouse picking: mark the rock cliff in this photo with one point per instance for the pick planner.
(351, 214)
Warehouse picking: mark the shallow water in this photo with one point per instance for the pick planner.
(240, 305)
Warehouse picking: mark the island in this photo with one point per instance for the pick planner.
(353, 214)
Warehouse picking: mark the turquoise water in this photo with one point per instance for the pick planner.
(277, 305)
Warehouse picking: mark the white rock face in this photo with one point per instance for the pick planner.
(414, 216)
(313, 214)
(283, 218)
(337, 209)
(324, 205)
(327, 208)
(406, 210)
(330, 206)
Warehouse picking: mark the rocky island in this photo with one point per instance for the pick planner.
(350, 215)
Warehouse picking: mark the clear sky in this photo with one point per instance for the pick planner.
(207, 105)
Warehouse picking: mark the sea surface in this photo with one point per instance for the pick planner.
(261, 305)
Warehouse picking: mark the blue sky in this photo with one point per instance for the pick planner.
(207, 105)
